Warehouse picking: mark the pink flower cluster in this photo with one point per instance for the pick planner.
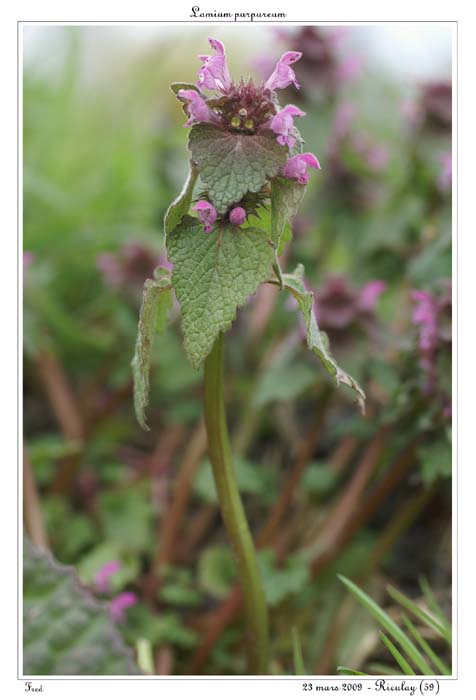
(214, 75)
(432, 316)
(338, 304)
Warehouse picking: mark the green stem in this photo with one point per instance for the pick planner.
(256, 614)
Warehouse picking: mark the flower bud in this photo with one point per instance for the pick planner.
(237, 216)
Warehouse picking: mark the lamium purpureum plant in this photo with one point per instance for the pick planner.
(224, 234)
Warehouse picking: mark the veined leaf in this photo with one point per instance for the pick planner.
(65, 630)
(316, 341)
(286, 196)
(232, 164)
(181, 204)
(156, 302)
(213, 275)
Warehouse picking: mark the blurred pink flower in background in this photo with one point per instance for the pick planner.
(338, 304)
(101, 579)
(129, 267)
(325, 67)
(445, 177)
(432, 316)
(431, 109)
(119, 604)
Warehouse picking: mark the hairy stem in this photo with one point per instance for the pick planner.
(256, 615)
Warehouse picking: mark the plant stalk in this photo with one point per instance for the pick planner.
(256, 614)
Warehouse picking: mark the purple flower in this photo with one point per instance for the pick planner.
(425, 316)
(376, 157)
(369, 295)
(283, 122)
(350, 68)
(296, 167)
(206, 213)
(237, 216)
(335, 303)
(27, 259)
(101, 579)
(118, 605)
(283, 75)
(432, 315)
(129, 267)
(446, 174)
(198, 110)
(214, 73)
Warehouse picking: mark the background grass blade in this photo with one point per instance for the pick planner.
(434, 658)
(401, 661)
(391, 627)
(419, 613)
(432, 603)
(299, 669)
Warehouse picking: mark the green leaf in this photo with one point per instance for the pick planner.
(213, 275)
(399, 658)
(316, 340)
(126, 517)
(280, 383)
(232, 164)
(280, 582)
(250, 478)
(319, 479)
(286, 196)
(145, 656)
(216, 571)
(435, 461)
(386, 621)
(156, 302)
(175, 87)
(181, 204)
(91, 562)
(159, 628)
(65, 630)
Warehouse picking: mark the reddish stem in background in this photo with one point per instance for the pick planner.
(172, 518)
(32, 506)
(304, 455)
(61, 396)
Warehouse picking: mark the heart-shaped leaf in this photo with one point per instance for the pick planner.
(232, 164)
(213, 275)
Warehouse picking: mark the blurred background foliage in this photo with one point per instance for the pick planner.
(327, 491)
